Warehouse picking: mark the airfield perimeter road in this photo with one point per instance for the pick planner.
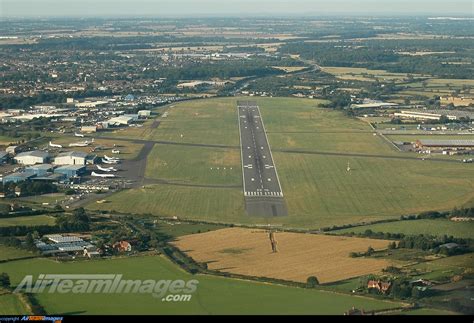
(261, 185)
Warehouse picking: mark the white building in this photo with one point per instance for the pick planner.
(144, 113)
(32, 157)
(71, 158)
(120, 120)
(89, 129)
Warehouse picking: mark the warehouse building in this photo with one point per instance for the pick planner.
(144, 113)
(120, 120)
(445, 144)
(39, 170)
(17, 177)
(433, 114)
(3, 156)
(32, 157)
(71, 170)
(71, 158)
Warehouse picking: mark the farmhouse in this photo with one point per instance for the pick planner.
(379, 285)
(71, 158)
(32, 157)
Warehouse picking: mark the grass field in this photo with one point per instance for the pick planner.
(363, 74)
(10, 304)
(27, 220)
(214, 295)
(318, 190)
(248, 252)
(10, 253)
(432, 227)
(198, 165)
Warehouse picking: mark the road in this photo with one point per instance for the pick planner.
(261, 185)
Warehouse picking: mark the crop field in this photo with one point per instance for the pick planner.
(214, 295)
(318, 189)
(10, 253)
(437, 227)
(10, 304)
(27, 220)
(362, 74)
(198, 165)
(248, 252)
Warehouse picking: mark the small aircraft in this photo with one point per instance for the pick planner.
(54, 145)
(78, 135)
(113, 161)
(107, 169)
(102, 175)
(111, 158)
(115, 151)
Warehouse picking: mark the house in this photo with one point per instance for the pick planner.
(71, 158)
(122, 246)
(379, 285)
(32, 157)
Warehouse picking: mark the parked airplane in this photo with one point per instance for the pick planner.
(102, 175)
(105, 161)
(54, 145)
(111, 158)
(115, 151)
(107, 169)
(78, 135)
(79, 144)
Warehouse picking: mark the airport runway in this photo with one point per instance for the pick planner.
(261, 185)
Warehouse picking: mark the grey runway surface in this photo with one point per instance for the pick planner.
(261, 185)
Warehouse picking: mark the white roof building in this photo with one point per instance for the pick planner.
(32, 157)
(71, 158)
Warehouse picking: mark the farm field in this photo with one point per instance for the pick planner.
(214, 295)
(10, 253)
(10, 304)
(27, 220)
(437, 227)
(363, 74)
(318, 190)
(248, 252)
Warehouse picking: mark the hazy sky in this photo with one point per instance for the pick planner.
(31, 8)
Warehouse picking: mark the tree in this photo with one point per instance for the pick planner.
(4, 280)
(370, 251)
(312, 282)
(392, 245)
(29, 241)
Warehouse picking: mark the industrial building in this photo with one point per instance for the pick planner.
(120, 120)
(71, 170)
(89, 129)
(71, 158)
(32, 157)
(144, 113)
(17, 177)
(3, 156)
(433, 114)
(39, 170)
(445, 144)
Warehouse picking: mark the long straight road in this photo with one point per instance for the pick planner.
(261, 185)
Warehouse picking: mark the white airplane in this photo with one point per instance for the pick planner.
(102, 175)
(107, 169)
(111, 158)
(115, 151)
(105, 161)
(78, 135)
(54, 145)
(79, 144)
